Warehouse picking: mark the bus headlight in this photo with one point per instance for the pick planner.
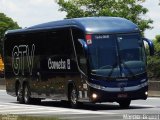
(146, 93)
(94, 96)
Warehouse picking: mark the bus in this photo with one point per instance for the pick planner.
(90, 59)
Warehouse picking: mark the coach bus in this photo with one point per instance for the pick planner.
(92, 59)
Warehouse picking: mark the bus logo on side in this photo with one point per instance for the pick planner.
(61, 64)
(22, 55)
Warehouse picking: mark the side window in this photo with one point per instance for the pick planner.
(59, 43)
(80, 53)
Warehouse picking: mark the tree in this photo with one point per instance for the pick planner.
(6, 23)
(129, 9)
(154, 61)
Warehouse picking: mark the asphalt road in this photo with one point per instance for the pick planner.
(140, 109)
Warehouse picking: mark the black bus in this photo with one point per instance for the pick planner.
(93, 59)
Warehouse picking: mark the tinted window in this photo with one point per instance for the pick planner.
(79, 50)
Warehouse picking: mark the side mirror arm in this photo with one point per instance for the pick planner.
(151, 46)
(84, 44)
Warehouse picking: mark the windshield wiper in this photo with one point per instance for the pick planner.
(129, 70)
(114, 66)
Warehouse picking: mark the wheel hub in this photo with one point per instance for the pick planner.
(74, 97)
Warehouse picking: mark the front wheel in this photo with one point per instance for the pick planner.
(124, 103)
(73, 97)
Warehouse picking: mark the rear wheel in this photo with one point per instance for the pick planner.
(73, 97)
(124, 104)
(20, 94)
(27, 98)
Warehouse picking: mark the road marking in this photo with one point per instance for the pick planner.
(14, 108)
(140, 105)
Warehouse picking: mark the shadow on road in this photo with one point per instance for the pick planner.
(88, 106)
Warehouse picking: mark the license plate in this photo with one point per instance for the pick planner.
(122, 96)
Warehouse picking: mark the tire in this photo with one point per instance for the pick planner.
(20, 94)
(124, 104)
(27, 94)
(73, 97)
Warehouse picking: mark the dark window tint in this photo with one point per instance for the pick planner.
(79, 50)
(58, 42)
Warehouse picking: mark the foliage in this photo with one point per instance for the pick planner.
(6, 23)
(129, 9)
(36, 118)
(22, 117)
(154, 61)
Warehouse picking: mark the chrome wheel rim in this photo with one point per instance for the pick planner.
(26, 94)
(18, 92)
(74, 96)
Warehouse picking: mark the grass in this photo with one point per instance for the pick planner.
(21, 117)
(36, 118)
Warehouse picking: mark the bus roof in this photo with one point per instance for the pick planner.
(88, 25)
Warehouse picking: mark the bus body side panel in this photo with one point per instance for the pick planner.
(45, 60)
(14, 69)
(60, 64)
(56, 64)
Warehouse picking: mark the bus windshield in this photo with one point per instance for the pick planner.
(116, 55)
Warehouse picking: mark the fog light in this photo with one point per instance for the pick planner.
(94, 96)
(146, 93)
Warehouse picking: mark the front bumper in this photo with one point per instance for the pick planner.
(105, 96)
